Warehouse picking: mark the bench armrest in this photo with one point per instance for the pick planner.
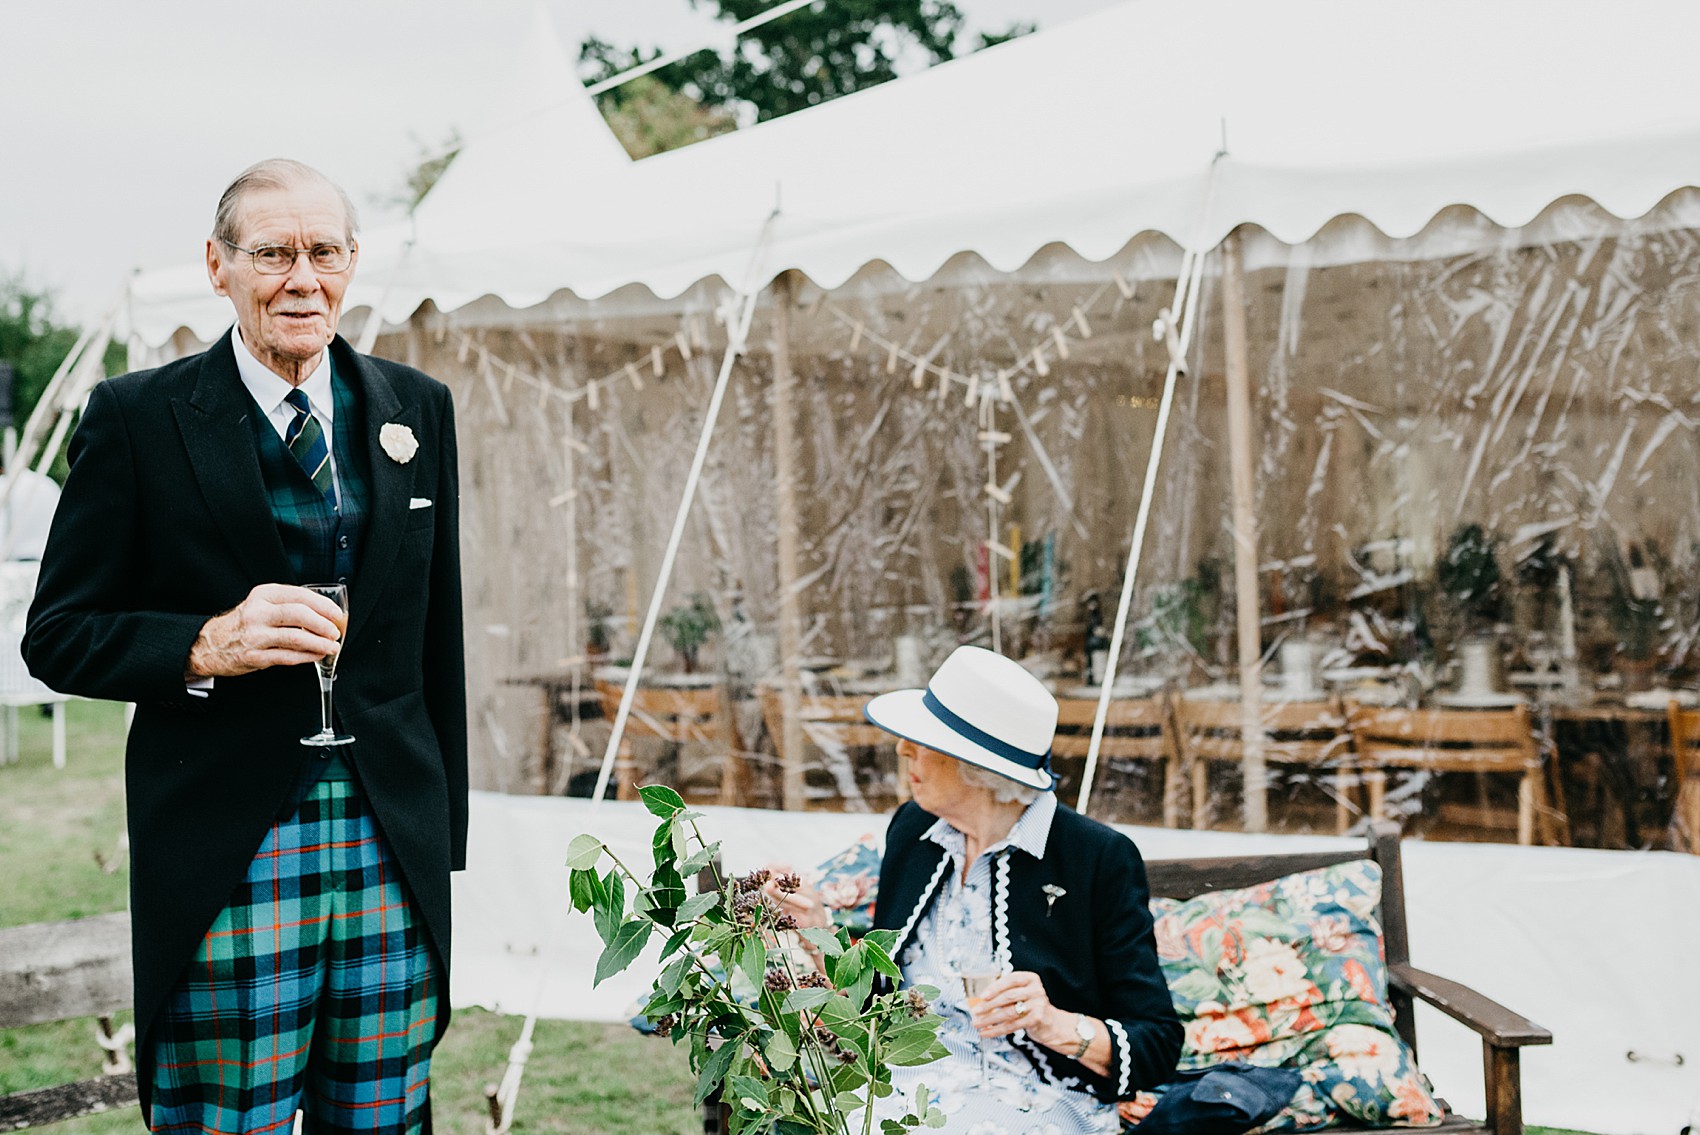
(1497, 1025)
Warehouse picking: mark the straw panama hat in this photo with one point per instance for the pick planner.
(981, 708)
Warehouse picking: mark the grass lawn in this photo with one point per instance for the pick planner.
(56, 826)
(582, 1079)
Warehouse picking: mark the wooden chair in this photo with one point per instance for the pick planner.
(1136, 729)
(677, 716)
(834, 724)
(1684, 741)
(1309, 735)
(1481, 741)
(62, 971)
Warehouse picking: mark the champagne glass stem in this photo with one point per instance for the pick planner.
(325, 684)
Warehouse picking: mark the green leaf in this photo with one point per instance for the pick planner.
(583, 886)
(627, 944)
(662, 846)
(802, 1000)
(699, 859)
(826, 941)
(753, 961)
(838, 1013)
(678, 939)
(882, 960)
(696, 905)
(681, 847)
(748, 1088)
(583, 852)
(714, 1070)
(661, 801)
(916, 1047)
(781, 1051)
(670, 977)
(610, 908)
(884, 939)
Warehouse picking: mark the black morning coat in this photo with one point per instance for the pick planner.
(1092, 947)
(164, 521)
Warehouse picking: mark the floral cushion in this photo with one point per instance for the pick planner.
(849, 884)
(1291, 973)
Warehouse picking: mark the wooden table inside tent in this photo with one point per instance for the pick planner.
(831, 720)
(1612, 747)
(679, 709)
(569, 696)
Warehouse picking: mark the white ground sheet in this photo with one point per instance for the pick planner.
(1597, 946)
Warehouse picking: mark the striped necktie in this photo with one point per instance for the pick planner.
(306, 440)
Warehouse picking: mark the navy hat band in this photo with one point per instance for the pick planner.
(983, 739)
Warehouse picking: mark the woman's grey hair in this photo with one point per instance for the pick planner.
(1003, 789)
(273, 173)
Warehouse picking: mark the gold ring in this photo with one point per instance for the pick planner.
(1020, 1009)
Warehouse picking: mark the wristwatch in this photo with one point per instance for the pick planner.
(1087, 1034)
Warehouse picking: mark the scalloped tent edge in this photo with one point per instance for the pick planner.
(1087, 135)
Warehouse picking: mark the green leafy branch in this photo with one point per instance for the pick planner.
(802, 1048)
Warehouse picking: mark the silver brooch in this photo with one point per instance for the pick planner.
(1052, 894)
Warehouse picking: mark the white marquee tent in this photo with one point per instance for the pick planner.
(1086, 135)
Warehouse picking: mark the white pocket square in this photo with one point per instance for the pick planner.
(419, 502)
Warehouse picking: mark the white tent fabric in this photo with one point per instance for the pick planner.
(1087, 134)
(1566, 937)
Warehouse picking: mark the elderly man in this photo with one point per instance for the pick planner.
(290, 902)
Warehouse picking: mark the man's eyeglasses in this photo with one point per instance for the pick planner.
(278, 259)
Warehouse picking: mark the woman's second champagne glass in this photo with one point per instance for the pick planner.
(327, 735)
(974, 986)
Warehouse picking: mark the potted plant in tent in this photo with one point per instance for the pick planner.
(596, 617)
(1468, 572)
(688, 626)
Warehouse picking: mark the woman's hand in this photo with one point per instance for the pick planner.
(1018, 1001)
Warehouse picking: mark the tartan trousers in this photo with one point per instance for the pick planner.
(314, 989)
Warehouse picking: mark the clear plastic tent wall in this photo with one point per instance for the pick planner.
(1475, 485)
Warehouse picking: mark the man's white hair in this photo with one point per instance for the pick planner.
(273, 173)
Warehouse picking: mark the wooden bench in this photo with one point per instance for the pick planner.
(61, 971)
(1504, 1034)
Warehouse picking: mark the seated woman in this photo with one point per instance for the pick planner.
(985, 875)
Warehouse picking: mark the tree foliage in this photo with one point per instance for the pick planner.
(802, 59)
(35, 342)
(429, 165)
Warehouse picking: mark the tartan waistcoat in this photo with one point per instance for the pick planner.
(323, 544)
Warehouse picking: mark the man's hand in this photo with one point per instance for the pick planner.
(277, 625)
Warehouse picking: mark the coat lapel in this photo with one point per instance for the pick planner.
(219, 438)
(391, 482)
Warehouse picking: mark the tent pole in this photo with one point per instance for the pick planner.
(737, 337)
(785, 488)
(1175, 327)
(1245, 537)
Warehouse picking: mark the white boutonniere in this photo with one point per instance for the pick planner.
(1052, 894)
(398, 441)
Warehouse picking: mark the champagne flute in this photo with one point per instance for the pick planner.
(327, 735)
(974, 986)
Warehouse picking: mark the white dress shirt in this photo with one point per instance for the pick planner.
(268, 389)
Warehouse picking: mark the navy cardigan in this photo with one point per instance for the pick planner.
(1092, 947)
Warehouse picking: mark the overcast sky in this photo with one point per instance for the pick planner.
(120, 122)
